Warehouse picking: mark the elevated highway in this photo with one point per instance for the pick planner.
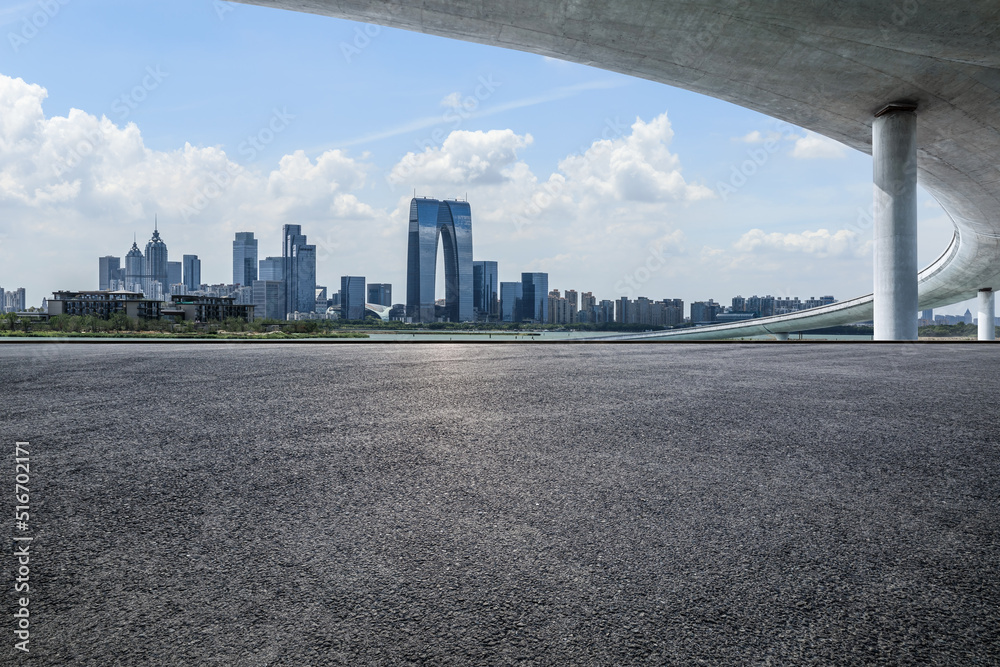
(825, 66)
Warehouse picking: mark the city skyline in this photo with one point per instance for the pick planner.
(648, 175)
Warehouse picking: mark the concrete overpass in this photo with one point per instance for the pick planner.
(830, 67)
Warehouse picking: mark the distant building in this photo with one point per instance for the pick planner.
(13, 301)
(486, 290)
(300, 270)
(352, 297)
(272, 268)
(174, 273)
(211, 308)
(511, 295)
(135, 269)
(451, 222)
(269, 299)
(535, 297)
(705, 311)
(968, 316)
(244, 259)
(380, 293)
(157, 269)
(104, 304)
(192, 273)
(110, 269)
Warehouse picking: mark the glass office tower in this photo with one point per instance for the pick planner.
(192, 272)
(510, 301)
(110, 269)
(352, 297)
(535, 299)
(299, 270)
(450, 221)
(380, 293)
(244, 259)
(485, 290)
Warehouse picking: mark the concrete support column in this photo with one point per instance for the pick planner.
(987, 314)
(894, 149)
(781, 336)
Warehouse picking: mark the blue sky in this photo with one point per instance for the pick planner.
(332, 124)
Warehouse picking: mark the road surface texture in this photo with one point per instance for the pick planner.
(507, 504)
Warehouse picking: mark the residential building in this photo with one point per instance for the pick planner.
(104, 304)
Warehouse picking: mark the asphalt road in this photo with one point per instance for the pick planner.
(528, 505)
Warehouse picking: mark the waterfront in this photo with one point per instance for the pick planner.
(482, 504)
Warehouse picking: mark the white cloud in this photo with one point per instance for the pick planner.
(815, 146)
(76, 187)
(821, 242)
(452, 100)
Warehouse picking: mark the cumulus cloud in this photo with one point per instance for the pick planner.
(821, 243)
(758, 137)
(815, 146)
(84, 184)
(464, 158)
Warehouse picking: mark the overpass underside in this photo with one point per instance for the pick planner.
(830, 67)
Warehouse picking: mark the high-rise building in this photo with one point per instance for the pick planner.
(192, 273)
(321, 299)
(300, 270)
(535, 296)
(451, 222)
(272, 268)
(928, 315)
(174, 273)
(511, 295)
(14, 302)
(135, 269)
(705, 311)
(110, 269)
(244, 259)
(572, 303)
(269, 299)
(156, 266)
(380, 293)
(486, 290)
(352, 297)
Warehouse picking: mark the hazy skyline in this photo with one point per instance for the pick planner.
(221, 118)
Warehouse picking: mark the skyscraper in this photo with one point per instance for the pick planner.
(300, 270)
(244, 259)
(450, 221)
(110, 269)
(269, 299)
(272, 268)
(156, 264)
(380, 293)
(135, 269)
(510, 301)
(174, 273)
(486, 290)
(352, 297)
(535, 298)
(192, 272)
